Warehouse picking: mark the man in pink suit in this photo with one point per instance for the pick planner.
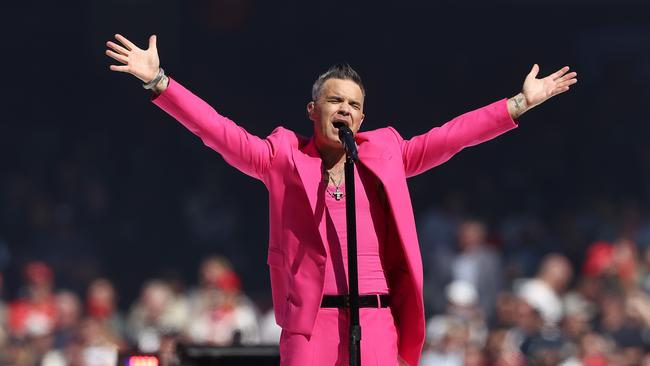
(304, 177)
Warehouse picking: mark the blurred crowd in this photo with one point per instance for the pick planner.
(510, 292)
(49, 326)
(502, 297)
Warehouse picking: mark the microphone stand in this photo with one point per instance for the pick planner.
(351, 222)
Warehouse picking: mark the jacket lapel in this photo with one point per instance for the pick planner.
(374, 157)
(309, 167)
(377, 160)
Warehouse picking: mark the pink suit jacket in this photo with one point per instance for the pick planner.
(290, 167)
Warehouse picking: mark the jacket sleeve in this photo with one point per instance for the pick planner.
(248, 153)
(438, 145)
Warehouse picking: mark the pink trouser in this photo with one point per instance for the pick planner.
(328, 344)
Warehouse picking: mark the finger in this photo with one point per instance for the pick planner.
(568, 76)
(559, 91)
(533, 71)
(117, 48)
(116, 56)
(128, 44)
(152, 42)
(566, 83)
(559, 72)
(120, 68)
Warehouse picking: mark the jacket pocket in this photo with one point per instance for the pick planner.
(275, 257)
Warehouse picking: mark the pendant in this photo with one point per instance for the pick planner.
(337, 194)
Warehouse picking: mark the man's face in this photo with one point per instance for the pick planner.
(339, 101)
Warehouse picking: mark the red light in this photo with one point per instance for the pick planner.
(143, 361)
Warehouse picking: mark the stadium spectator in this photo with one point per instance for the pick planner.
(156, 313)
(478, 264)
(222, 314)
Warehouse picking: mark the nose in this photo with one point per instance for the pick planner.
(344, 109)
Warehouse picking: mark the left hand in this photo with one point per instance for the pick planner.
(537, 91)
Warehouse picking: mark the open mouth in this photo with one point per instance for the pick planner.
(339, 121)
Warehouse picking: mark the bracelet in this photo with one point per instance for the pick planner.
(152, 83)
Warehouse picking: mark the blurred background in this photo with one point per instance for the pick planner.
(120, 230)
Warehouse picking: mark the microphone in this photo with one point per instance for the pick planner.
(347, 139)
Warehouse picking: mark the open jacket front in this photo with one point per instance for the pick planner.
(291, 169)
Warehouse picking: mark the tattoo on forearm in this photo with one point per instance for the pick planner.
(517, 106)
(518, 100)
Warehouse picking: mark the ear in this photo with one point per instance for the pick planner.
(361, 122)
(310, 110)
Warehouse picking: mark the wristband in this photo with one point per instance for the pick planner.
(155, 80)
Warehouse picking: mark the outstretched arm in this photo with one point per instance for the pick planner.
(435, 147)
(246, 152)
(143, 64)
(537, 91)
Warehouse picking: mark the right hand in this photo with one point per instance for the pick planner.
(143, 64)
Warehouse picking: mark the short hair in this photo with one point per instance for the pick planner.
(338, 71)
